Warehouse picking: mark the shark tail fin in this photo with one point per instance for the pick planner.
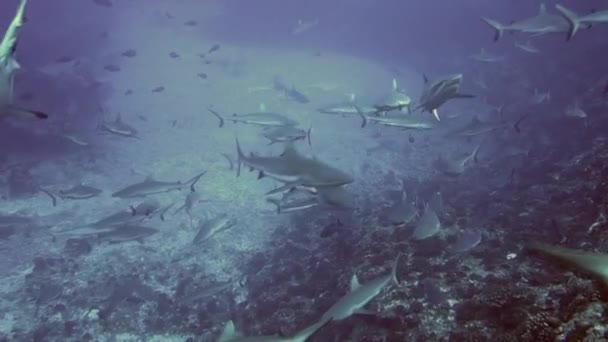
(363, 117)
(499, 29)
(26, 113)
(239, 157)
(308, 132)
(275, 202)
(218, 116)
(572, 18)
(192, 182)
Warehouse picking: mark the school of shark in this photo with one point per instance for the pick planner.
(173, 177)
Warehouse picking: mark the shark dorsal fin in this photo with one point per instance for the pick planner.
(426, 79)
(229, 332)
(262, 107)
(354, 283)
(394, 84)
(289, 151)
(542, 9)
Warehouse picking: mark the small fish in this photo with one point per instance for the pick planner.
(103, 3)
(64, 59)
(174, 54)
(112, 68)
(129, 53)
(191, 23)
(538, 97)
(207, 62)
(118, 127)
(202, 75)
(76, 140)
(158, 89)
(214, 48)
(527, 47)
(575, 111)
(128, 92)
(174, 123)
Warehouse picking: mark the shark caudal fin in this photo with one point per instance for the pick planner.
(499, 29)
(221, 118)
(572, 19)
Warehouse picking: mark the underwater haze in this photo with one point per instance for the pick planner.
(281, 170)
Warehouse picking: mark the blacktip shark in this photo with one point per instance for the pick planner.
(405, 122)
(592, 263)
(436, 94)
(540, 24)
(262, 118)
(230, 334)
(359, 295)
(151, 186)
(486, 57)
(396, 100)
(8, 67)
(293, 169)
(290, 92)
(575, 22)
(79, 191)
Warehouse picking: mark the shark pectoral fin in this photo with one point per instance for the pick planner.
(26, 113)
(436, 114)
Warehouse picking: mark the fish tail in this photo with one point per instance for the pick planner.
(239, 158)
(308, 134)
(572, 19)
(218, 116)
(192, 182)
(499, 29)
(363, 118)
(275, 202)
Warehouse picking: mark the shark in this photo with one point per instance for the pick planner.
(284, 134)
(230, 334)
(575, 22)
(486, 57)
(293, 169)
(303, 26)
(592, 263)
(118, 127)
(477, 127)
(395, 100)
(258, 118)
(209, 228)
(455, 167)
(527, 47)
(428, 225)
(290, 92)
(401, 121)
(151, 186)
(359, 295)
(540, 24)
(437, 93)
(9, 66)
